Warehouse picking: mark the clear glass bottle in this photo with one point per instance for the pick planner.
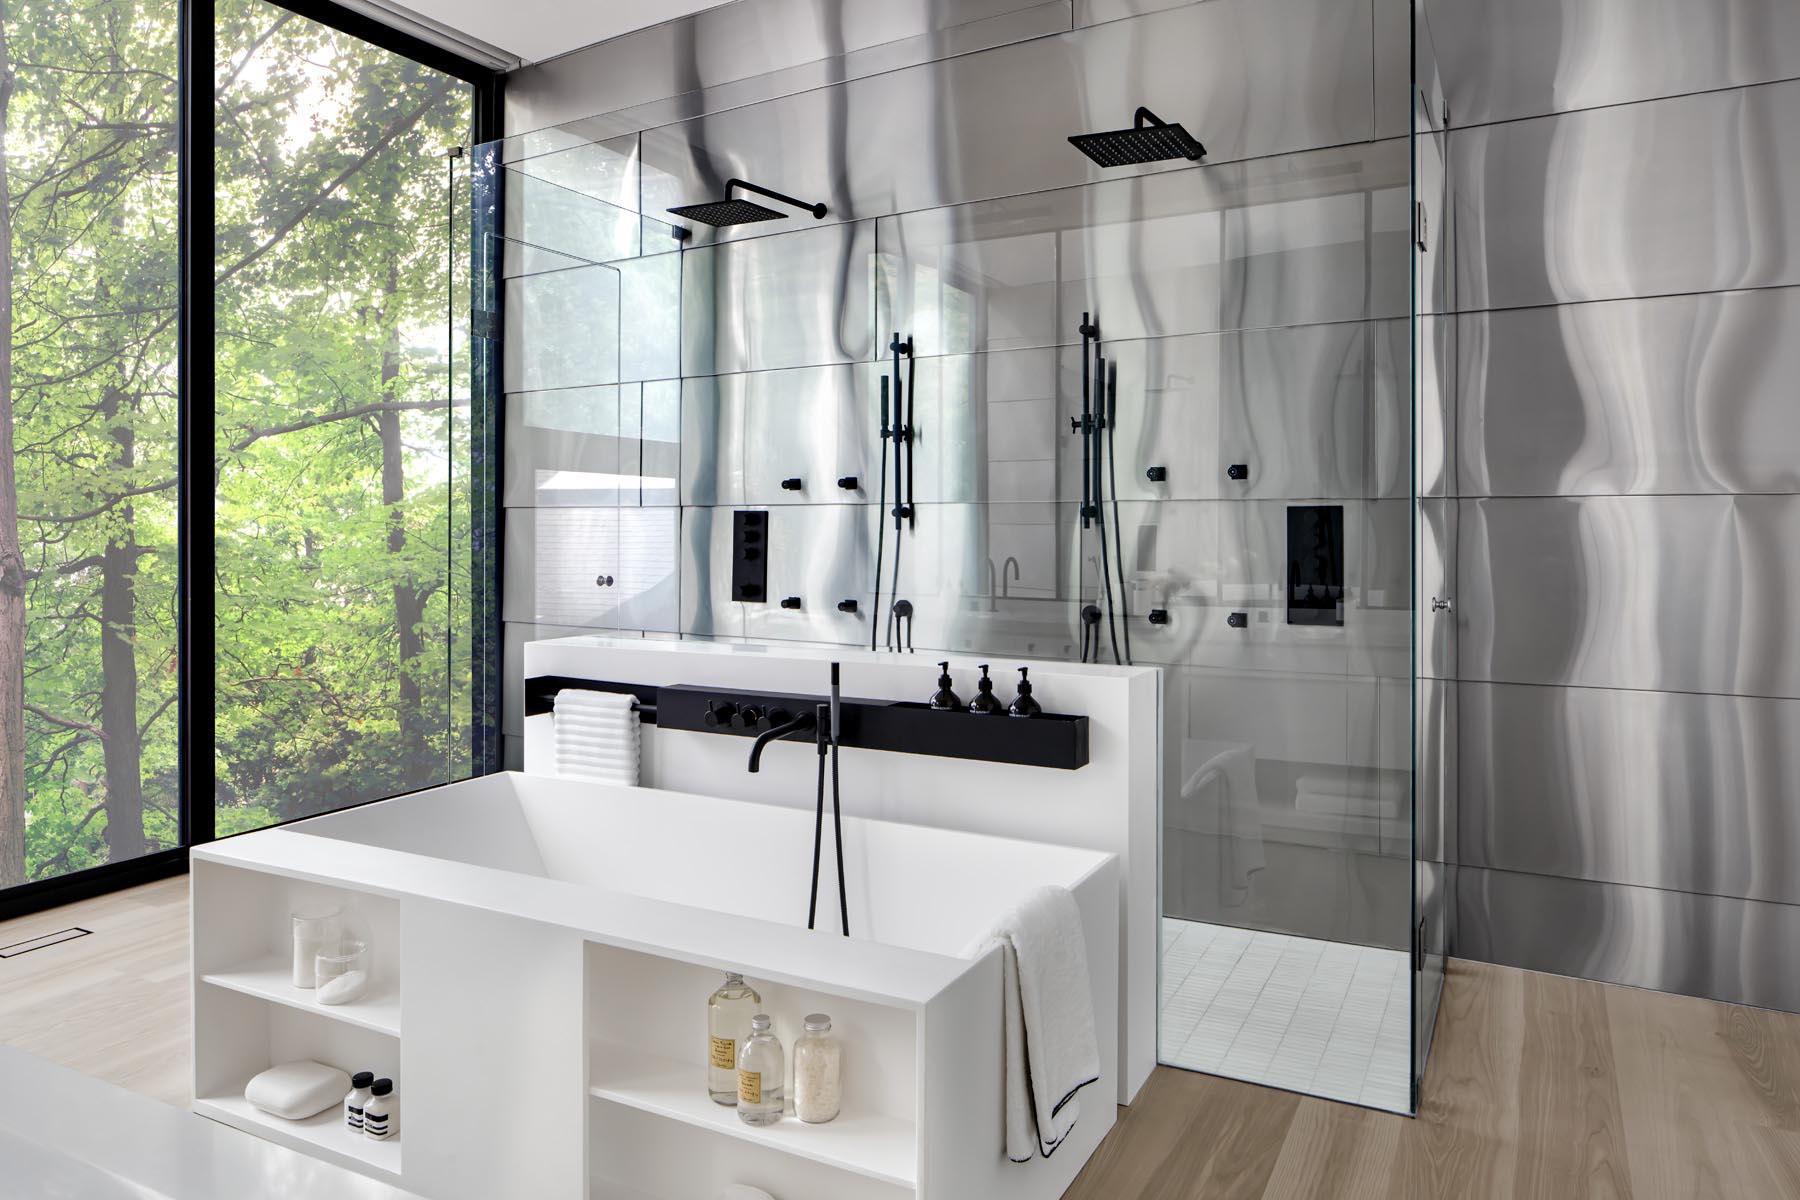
(760, 1070)
(728, 1015)
(818, 1063)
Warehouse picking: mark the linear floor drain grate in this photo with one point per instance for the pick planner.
(44, 940)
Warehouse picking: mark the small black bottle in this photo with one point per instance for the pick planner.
(985, 702)
(944, 699)
(1023, 705)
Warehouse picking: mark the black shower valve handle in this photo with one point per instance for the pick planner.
(1157, 474)
(849, 483)
(847, 606)
(792, 484)
(790, 602)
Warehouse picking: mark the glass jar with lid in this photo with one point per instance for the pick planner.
(818, 1071)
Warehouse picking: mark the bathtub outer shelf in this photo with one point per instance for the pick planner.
(515, 969)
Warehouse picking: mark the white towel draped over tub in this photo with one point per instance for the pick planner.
(596, 736)
(1052, 1051)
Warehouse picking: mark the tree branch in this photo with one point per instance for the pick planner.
(64, 722)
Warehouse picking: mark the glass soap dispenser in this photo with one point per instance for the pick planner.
(728, 1014)
(761, 1067)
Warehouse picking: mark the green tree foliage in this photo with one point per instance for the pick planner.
(340, 489)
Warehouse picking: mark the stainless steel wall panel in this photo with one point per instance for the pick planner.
(1298, 240)
(1002, 28)
(1437, 779)
(712, 442)
(1251, 77)
(648, 579)
(1691, 593)
(1681, 394)
(1001, 579)
(707, 609)
(804, 424)
(1527, 58)
(565, 449)
(562, 329)
(720, 45)
(1434, 578)
(604, 171)
(555, 226)
(555, 564)
(1389, 444)
(1698, 193)
(658, 434)
(821, 554)
(650, 318)
(1682, 792)
(1434, 396)
(795, 299)
(1726, 949)
(1290, 404)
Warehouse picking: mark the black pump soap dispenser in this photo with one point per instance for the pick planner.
(1023, 705)
(944, 699)
(985, 702)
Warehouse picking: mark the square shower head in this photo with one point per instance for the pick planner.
(1145, 144)
(727, 212)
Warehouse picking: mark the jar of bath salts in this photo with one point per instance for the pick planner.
(818, 1059)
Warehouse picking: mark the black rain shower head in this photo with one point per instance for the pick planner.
(730, 211)
(1150, 139)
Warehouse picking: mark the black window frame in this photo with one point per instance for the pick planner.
(194, 455)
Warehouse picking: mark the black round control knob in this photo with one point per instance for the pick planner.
(719, 712)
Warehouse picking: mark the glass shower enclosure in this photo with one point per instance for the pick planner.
(1262, 521)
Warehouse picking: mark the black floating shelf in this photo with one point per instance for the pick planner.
(1053, 740)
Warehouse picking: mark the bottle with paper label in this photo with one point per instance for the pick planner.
(728, 1015)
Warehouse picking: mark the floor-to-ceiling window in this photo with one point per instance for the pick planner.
(318, 652)
(341, 570)
(88, 274)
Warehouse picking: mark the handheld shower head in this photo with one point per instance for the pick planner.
(1150, 139)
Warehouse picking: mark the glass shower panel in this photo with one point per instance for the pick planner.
(1432, 339)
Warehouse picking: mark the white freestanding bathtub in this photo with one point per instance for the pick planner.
(543, 950)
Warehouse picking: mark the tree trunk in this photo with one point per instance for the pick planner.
(118, 663)
(12, 564)
(409, 602)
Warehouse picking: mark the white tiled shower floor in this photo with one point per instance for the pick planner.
(1322, 1018)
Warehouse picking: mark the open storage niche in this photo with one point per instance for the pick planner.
(246, 1035)
(655, 1132)
(249, 1016)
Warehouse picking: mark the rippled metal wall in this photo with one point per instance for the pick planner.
(1622, 487)
(1256, 308)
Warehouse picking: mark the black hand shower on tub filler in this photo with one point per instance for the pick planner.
(827, 718)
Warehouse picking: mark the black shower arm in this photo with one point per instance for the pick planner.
(817, 210)
(1145, 118)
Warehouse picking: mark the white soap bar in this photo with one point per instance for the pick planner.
(344, 988)
(297, 1090)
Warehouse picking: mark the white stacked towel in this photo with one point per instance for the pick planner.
(596, 736)
(1051, 1048)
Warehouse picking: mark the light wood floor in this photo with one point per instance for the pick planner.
(1538, 1086)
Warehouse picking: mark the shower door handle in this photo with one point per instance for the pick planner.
(1441, 604)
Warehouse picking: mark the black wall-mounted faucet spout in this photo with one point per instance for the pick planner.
(805, 721)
